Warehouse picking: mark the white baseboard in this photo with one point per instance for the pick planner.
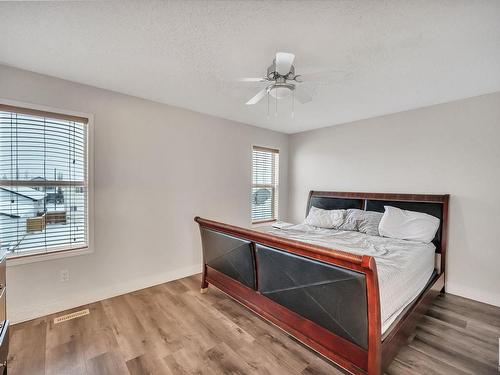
(36, 311)
(473, 294)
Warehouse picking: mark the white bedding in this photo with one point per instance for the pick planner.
(404, 267)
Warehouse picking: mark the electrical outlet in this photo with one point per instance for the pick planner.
(63, 276)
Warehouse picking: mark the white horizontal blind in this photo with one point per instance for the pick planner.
(43, 181)
(265, 184)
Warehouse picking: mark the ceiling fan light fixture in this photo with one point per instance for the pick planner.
(281, 91)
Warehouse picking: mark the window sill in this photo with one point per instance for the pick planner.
(18, 259)
(264, 222)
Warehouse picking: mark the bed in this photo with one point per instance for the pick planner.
(351, 297)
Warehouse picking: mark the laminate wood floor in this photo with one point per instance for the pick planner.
(173, 329)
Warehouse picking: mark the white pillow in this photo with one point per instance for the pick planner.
(408, 225)
(318, 217)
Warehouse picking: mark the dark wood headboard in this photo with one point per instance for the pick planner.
(435, 205)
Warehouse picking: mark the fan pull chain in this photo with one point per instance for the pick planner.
(268, 116)
(276, 109)
(293, 104)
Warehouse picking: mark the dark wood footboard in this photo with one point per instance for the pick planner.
(327, 299)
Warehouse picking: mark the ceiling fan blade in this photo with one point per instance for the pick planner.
(326, 75)
(252, 80)
(284, 62)
(302, 96)
(257, 98)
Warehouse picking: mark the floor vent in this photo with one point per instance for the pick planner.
(76, 314)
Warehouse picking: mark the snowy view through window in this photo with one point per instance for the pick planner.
(43, 194)
(265, 178)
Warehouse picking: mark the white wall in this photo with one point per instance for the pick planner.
(156, 167)
(450, 148)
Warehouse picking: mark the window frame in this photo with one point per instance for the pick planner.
(273, 187)
(14, 259)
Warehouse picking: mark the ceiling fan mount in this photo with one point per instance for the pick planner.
(273, 74)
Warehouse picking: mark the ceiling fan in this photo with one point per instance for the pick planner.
(282, 82)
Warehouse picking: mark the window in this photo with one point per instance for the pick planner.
(265, 181)
(43, 181)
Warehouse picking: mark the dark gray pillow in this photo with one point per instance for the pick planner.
(369, 222)
(362, 221)
(351, 219)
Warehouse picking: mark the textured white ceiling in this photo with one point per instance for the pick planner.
(397, 55)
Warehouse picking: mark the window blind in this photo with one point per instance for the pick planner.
(265, 184)
(43, 181)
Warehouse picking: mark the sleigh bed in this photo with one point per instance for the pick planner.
(327, 298)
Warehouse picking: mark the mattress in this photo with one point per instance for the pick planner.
(404, 267)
